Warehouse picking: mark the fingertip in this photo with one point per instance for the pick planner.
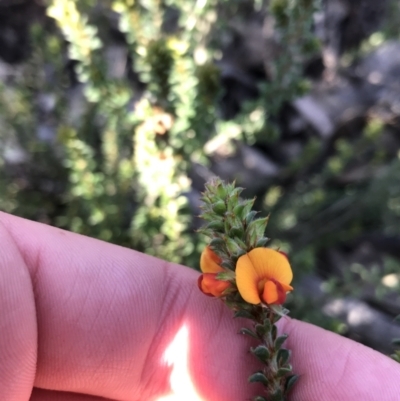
(18, 340)
(333, 367)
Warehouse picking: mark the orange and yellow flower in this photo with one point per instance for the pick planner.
(264, 275)
(210, 266)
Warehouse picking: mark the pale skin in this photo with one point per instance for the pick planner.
(83, 320)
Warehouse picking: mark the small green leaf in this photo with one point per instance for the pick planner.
(267, 325)
(236, 231)
(257, 227)
(237, 191)
(238, 209)
(261, 330)
(231, 220)
(219, 207)
(284, 371)
(396, 342)
(290, 382)
(250, 216)
(232, 246)
(274, 332)
(248, 204)
(241, 243)
(241, 252)
(251, 238)
(262, 242)
(207, 233)
(230, 290)
(233, 198)
(227, 265)
(279, 341)
(215, 225)
(283, 356)
(258, 378)
(229, 187)
(261, 352)
(221, 192)
(225, 276)
(279, 311)
(216, 243)
(209, 216)
(248, 332)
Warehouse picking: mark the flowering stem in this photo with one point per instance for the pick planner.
(276, 373)
(252, 280)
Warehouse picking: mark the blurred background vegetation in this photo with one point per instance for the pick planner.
(113, 114)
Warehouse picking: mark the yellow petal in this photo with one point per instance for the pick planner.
(209, 261)
(259, 266)
(271, 264)
(247, 280)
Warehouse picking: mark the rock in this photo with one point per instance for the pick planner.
(332, 105)
(366, 324)
(380, 72)
(315, 114)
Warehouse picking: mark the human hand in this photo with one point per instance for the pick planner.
(82, 319)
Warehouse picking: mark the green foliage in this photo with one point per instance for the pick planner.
(290, 44)
(233, 230)
(293, 29)
(120, 168)
(396, 344)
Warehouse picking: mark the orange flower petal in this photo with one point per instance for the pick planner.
(272, 293)
(261, 271)
(275, 292)
(210, 261)
(211, 286)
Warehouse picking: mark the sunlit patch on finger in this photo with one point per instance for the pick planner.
(177, 356)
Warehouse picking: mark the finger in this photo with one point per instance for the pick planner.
(94, 327)
(218, 362)
(106, 316)
(47, 395)
(335, 368)
(18, 339)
